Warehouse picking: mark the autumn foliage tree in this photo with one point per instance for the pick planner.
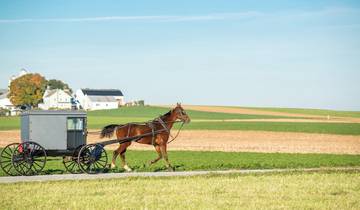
(58, 84)
(27, 90)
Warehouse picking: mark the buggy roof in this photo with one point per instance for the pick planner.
(54, 112)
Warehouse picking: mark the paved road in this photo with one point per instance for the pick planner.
(61, 177)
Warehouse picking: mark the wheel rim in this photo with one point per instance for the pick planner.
(70, 162)
(6, 159)
(29, 158)
(92, 158)
(71, 165)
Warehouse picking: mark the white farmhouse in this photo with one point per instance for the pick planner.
(56, 99)
(5, 102)
(96, 99)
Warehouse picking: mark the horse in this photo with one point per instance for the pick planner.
(155, 132)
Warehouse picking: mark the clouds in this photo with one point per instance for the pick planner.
(243, 16)
(153, 18)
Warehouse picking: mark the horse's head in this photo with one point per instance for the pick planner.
(180, 114)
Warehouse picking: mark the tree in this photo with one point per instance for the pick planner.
(58, 84)
(27, 90)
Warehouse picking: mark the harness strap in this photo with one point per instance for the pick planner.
(163, 125)
(151, 125)
(129, 129)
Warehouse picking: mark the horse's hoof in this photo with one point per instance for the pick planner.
(112, 166)
(127, 168)
(171, 169)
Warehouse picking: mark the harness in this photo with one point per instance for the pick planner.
(159, 120)
(152, 125)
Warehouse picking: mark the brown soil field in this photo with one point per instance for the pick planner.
(278, 120)
(242, 141)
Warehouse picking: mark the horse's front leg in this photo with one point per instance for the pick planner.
(165, 156)
(157, 148)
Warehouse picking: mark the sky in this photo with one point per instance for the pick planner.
(303, 54)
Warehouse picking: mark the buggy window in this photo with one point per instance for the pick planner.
(75, 124)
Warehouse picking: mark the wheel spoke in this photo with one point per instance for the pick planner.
(7, 165)
(97, 165)
(5, 151)
(73, 166)
(8, 171)
(100, 160)
(5, 157)
(37, 164)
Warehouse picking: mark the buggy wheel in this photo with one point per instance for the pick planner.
(70, 162)
(92, 158)
(6, 159)
(29, 158)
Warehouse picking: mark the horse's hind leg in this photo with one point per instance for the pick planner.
(115, 154)
(122, 155)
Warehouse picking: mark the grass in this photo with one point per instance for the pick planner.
(194, 160)
(324, 128)
(9, 123)
(98, 119)
(267, 191)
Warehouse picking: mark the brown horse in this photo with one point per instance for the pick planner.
(158, 130)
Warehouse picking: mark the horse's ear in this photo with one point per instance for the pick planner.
(178, 104)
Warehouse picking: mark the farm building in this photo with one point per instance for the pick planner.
(5, 102)
(56, 99)
(96, 99)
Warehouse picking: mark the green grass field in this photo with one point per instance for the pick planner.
(98, 119)
(326, 190)
(9, 123)
(194, 160)
(324, 128)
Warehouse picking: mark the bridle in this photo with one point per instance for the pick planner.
(181, 120)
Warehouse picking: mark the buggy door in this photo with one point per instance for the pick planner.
(76, 132)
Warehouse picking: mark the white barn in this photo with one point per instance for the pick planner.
(56, 99)
(96, 99)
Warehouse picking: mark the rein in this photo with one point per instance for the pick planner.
(173, 138)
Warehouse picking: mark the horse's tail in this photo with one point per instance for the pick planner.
(108, 131)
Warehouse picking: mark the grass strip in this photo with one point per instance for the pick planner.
(197, 160)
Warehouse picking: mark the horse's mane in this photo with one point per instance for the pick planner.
(167, 114)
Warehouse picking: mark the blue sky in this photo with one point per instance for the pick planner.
(242, 53)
